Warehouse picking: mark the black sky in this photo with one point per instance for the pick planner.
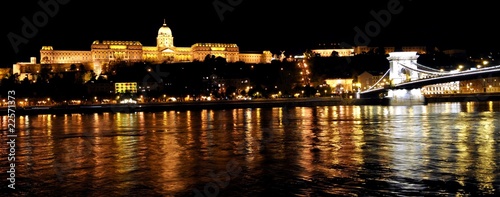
(254, 25)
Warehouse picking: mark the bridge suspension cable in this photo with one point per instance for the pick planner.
(428, 68)
(424, 71)
(379, 80)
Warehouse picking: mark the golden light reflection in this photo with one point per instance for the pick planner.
(153, 121)
(485, 169)
(464, 159)
(236, 117)
(418, 142)
(140, 120)
(203, 119)
(46, 123)
(248, 120)
(189, 121)
(470, 107)
(210, 119)
(258, 117)
(303, 112)
(335, 114)
(125, 158)
(251, 145)
(97, 121)
(307, 141)
(22, 123)
(125, 121)
(358, 142)
(164, 114)
(205, 136)
(171, 159)
(326, 112)
(69, 122)
(340, 145)
(246, 145)
(356, 114)
(280, 116)
(259, 134)
(209, 133)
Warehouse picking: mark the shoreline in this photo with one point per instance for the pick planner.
(233, 104)
(192, 105)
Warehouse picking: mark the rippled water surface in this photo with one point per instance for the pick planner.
(445, 149)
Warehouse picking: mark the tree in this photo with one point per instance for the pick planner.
(380, 51)
(44, 74)
(209, 58)
(220, 60)
(230, 90)
(81, 68)
(334, 54)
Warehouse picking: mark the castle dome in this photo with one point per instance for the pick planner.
(164, 30)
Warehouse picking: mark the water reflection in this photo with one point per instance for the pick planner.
(445, 148)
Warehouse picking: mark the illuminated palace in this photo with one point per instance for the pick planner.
(104, 52)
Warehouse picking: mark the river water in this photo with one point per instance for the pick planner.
(440, 149)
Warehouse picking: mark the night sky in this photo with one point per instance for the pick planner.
(254, 25)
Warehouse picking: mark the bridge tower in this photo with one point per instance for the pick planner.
(398, 61)
(403, 68)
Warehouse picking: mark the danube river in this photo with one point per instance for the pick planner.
(443, 149)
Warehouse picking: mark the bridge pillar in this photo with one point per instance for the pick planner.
(398, 73)
(405, 97)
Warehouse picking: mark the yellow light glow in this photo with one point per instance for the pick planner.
(126, 87)
(218, 48)
(117, 47)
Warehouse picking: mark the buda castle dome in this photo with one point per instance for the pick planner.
(165, 30)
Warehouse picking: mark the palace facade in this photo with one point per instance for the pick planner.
(106, 51)
(345, 52)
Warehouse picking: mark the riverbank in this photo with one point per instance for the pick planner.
(193, 105)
